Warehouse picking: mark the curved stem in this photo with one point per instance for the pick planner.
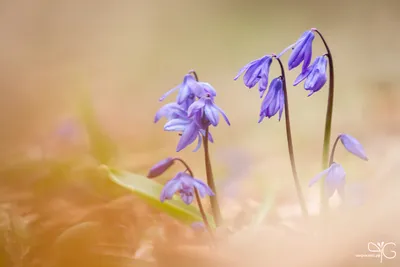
(193, 72)
(328, 119)
(196, 192)
(290, 144)
(333, 151)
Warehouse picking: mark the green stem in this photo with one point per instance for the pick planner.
(210, 177)
(211, 183)
(328, 122)
(290, 145)
(196, 192)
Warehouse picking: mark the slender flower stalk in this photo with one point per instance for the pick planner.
(333, 150)
(196, 192)
(210, 176)
(328, 120)
(211, 183)
(290, 144)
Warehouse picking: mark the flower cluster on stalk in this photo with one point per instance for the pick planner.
(314, 75)
(192, 113)
(257, 72)
(335, 174)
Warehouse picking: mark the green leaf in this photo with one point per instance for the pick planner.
(150, 191)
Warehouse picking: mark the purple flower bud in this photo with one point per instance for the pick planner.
(257, 71)
(274, 101)
(335, 180)
(353, 146)
(185, 184)
(302, 51)
(315, 75)
(160, 167)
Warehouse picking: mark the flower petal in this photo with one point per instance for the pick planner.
(335, 179)
(211, 113)
(203, 188)
(168, 111)
(188, 136)
(318, 176)
(353, 146)
(170, 188)
(199, 141)
(168, 93)
(176, 125)
(245, 68)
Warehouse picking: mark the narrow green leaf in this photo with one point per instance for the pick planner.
(150, 191)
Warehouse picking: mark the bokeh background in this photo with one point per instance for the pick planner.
(126, 54)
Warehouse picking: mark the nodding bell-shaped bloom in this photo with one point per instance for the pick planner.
(190, 131)
(353, 146)
(257, 71)
(160, 167)
(302, 51)
(274, 101)
(185, 185)
(315, 75)
(335, 179)
(205, 111)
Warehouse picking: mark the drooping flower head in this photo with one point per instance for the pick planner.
(185, 185)
(353, 146)
(302, 51)
(193, 112)
(274, 101)
(335, 179)
(315, 75)
(256, 71)
(205, 112)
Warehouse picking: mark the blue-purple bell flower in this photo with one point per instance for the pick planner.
(170, 111)
(160, 167)
(257, 71)
(190, 131)
(205, 110)
(353, 146)
(315, 75)
(185, 185)
(335, 179)
(274, 101)
(302, 51)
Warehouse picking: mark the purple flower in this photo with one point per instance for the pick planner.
(190, 131)
(334, 181)
(205, 110)
(274, 101)
(257, 71)
(315, 75)
(353, 146)
(170, 111)
(160, 167)
(189, 89)
(185, 185)
(302, 51)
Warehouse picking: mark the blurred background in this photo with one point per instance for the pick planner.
(126, 54)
